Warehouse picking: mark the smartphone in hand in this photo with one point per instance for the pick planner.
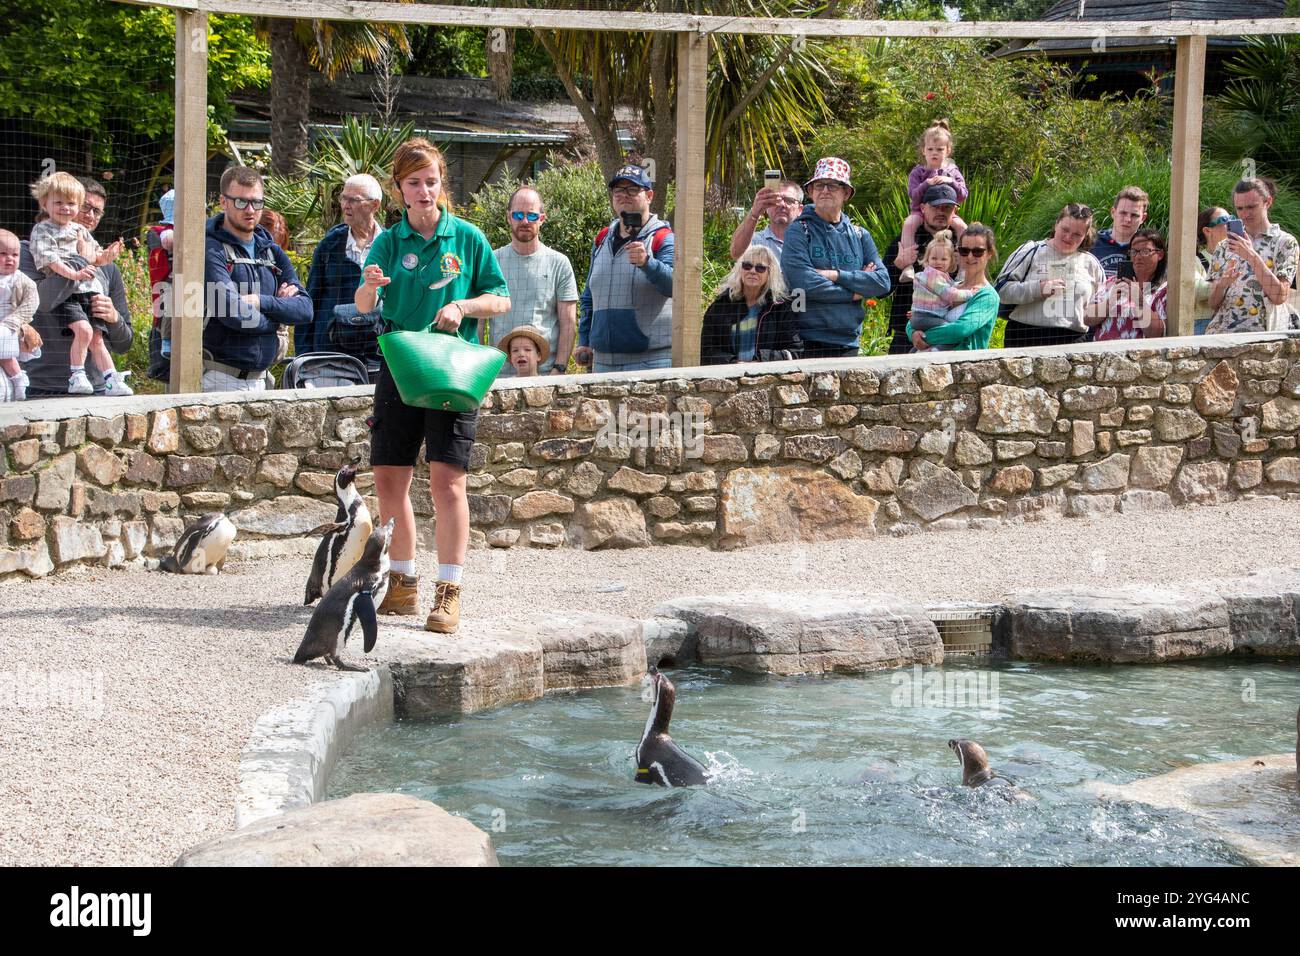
(1236, 227)
(772, 179)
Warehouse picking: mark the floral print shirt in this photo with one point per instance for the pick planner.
(1128, 320)
(1244, 306)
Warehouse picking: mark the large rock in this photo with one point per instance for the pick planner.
(285, 516)
(1132, 625)
(1154, 468)
(1178, 424)
(612, 523)
(365, 829)
(1263, 612)
(164, 435)
(300, 424)
(589, 650)
(1204, 483)
(765, 505)
(33, 561)
(54, 484)
(1105, 475)
(1007, 410)
(74, 541)
(1216, 394)
(536, 504)
(1250, 804)
(1281, 415)
(810, 632)
(936, 493)
(484, 665)
(745, 410)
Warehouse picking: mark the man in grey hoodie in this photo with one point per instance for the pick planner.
(627, 308)
(831, 266)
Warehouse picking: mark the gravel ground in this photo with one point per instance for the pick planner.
(189, 663)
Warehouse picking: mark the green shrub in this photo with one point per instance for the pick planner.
(577, 207)
(1011, 120)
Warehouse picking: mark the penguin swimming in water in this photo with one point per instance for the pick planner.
(344, 540)
(354, 598)
(975, 770)
(201, 548)
(658, 758)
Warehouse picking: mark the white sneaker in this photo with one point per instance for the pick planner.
(116, 387)
(78, 384)
(17, 388)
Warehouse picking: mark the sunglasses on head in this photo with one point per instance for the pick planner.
(518, 216)
(971, 251)
(756, 266)
(241, 203)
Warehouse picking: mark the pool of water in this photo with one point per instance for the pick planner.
(844, 770)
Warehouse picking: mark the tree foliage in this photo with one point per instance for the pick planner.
(91, 66)
(1011, 120)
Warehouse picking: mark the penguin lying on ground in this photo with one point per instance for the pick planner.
(354, 598)
(975, 770)
(344, 540)
(658, 758)
(201, 548)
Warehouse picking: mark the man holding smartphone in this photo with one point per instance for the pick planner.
(626, 309)
(1252, 269)
(782, 201)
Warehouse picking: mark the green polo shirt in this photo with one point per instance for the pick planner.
(456, 262)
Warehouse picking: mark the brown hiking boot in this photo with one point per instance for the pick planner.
(403, 595)
(445, 616)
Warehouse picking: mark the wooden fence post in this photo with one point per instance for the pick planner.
(190, 165)
(688, 212)
(1184, 183)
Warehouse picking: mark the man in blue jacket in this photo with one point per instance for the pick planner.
(251, 289)
(831, 266)
(627, 307)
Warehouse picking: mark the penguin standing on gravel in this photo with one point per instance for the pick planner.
(344, 540)
(201, 548)
(354, 598)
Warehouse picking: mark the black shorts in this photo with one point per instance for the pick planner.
(398, 430)
(76, 308)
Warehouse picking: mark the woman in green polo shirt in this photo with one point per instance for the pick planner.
(430, 270)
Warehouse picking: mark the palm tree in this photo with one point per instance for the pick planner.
(764, 92)
(297, 48)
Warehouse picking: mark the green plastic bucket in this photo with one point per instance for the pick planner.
(440, 370)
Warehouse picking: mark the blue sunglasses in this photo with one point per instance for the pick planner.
(521, 216)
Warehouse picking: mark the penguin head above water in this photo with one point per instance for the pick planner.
(974, 762)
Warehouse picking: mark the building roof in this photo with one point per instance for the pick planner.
(1110, 12)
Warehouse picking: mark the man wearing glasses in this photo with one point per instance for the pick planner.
(251, 289)
(543, 290)
(627, 307)
(336, 273)
(782, 205)
(48, 375)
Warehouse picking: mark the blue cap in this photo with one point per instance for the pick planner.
(167, 203)
(940, 194)
(632, 174)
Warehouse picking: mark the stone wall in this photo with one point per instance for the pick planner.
(722, 457)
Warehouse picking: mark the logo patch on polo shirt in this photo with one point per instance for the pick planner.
(451, 268)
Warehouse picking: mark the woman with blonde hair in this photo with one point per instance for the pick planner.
(430, 270)
(751, 319)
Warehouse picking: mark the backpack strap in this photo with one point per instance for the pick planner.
(657, 238)
(1024, 274)
(600, 236)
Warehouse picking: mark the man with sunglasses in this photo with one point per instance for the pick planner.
(627, 307)
(250, 290)
(543, 290)
(938, 206)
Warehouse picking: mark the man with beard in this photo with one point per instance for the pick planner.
(938, 206)
(543, 291)
(782, 206)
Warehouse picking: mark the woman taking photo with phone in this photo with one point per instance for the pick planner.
(1131, 304)
(1252, 269)
(430, 271)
